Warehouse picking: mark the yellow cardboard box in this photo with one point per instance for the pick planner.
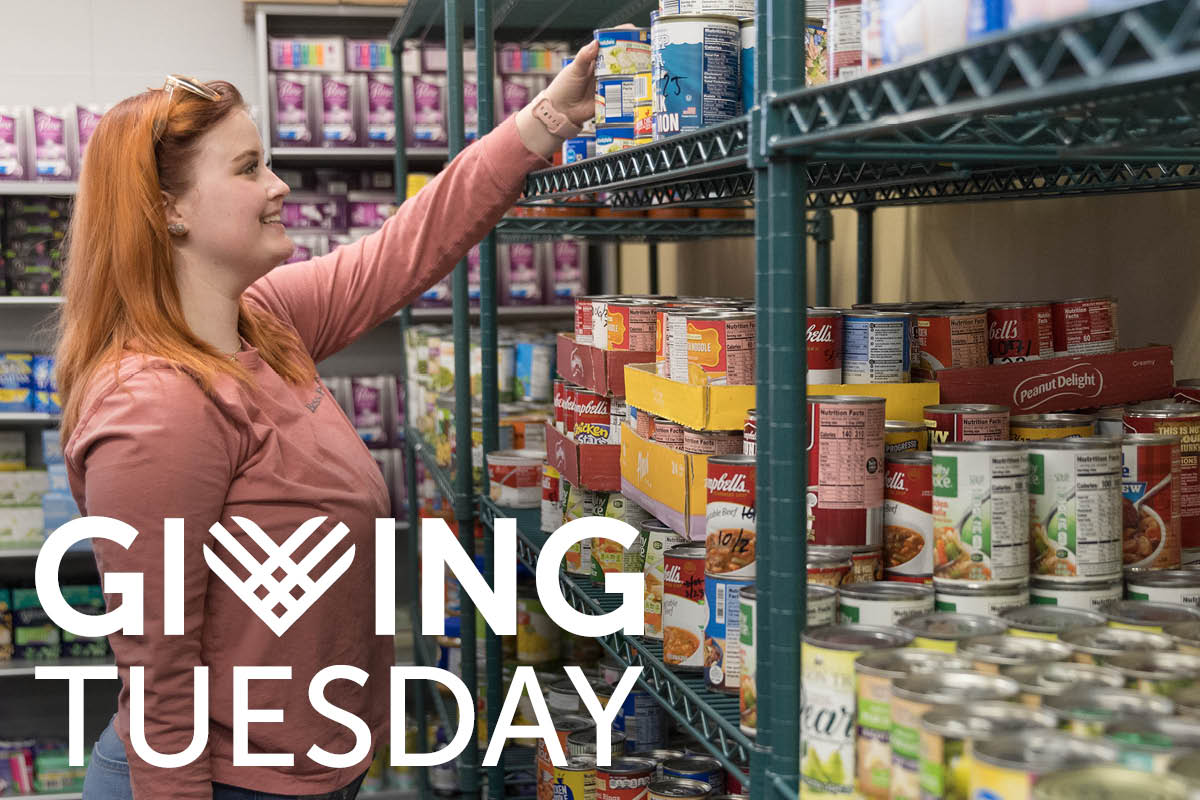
(664, 481)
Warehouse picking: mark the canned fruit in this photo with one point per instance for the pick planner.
(845, 470)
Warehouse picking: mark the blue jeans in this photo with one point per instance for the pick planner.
(108, 778)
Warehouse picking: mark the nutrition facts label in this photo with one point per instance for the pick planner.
(1075, 499)
(982, 501)
(876, 352)
(850, 436)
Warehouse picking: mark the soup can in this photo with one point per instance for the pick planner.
(966, 422)
(902, 436)
(1182, 420)
(824, 345)
(866, 561)
(1052, 678)
(722, 671)
(750, 433)
(1095, 645)
(730, 526)
(584, 315)
(1027, 427)
(947, 734)
(1179, 586)
(657, 539)
(668, 433)
(821, 605)
(643, 722)
(1152, 617)
(564, 725)
(575, 780)
(673, 321)
(943, 630)
(1009, 766)
(1075, 508)
(1185, 635)
(538, 639)
(828, 568)
(684, 613)
(913, 696)
(990, 653)
(1148, 744)
(622, 51)
(874, 673)
(1084, 326)
(1156, 672)
(878, 347)
(593, 418)
(1110, 421)
(908, 517)
(631, 324)
(624, 779)
(712, 443)
(980, 511)
(1020, 332)
(845, 470)
(678, 789)
(1151, 522)
(882, 602)
(695, 65)
(559, 399)
(1048, 622)
(828, 711)
(551, 501)
(721, 348)
(703, 769)
(985, 599)
(1085, 709)
(950, 338)
(748, 657)
(583, 743)
(1088, 595)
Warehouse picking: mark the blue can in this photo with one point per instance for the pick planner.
(749, 44)
(579, 148)
(697, 768)
(877, 346)
(986, 17)
(616, 99)
(535, 367)
(722, 595)
(614, 138)
(643, 722)
(622, 51)
(16, 382)
(696, 70)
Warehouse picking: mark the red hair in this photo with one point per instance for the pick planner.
(119, 282)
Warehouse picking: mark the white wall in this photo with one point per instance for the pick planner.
(101, 51)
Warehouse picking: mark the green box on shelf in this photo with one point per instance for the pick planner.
(53, 773)
(35, 637)
(85, 600)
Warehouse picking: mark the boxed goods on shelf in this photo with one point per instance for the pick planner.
(12, 451)
(668, 483)
(592, 466)
(599, 370)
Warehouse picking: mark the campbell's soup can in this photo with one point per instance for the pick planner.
(877, 347)
(1182, 420)
(1084, 326)
(1031, 427)
(845, 470)
(750, 434)
(593, 418)
(712, 443)
(569, 405)
(631, 325)
(1150, 522)
(1020, 332)
(657, 539)
(560, 405)
(721, 348)
(950, 338)
(730, 527)
(551, 503)
(583, 317)
(625, 779)
(902, 436)
(685, 613)
(966, 422)
(667, 432)
(908, 517)
(824, 345)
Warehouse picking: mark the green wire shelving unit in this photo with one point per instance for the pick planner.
(1104, 102)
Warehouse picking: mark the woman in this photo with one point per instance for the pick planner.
(186, 364)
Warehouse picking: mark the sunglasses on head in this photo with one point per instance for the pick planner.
(169, 86)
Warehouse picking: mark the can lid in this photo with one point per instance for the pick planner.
(980, 588)
(680, 787)
(860, 313)
(630, 766)
(1007, 649)
(967, 408)
(997, 446)
(845, 399)
(952, 311)
(945, 687)
(856, 637)
(737, 459)
(910, 457)
(901, 661)
(1076, 443)
(1155, 664)
(1150, 439)
(1040, 752)
(1051, 420)
(837, 312)
(1055, 677)
(1186, 632)
(692, 764)
(1137, 612)
(1102, 640)
(903, 425)
(814, 591)
(1098, 781)
(985, 719)
(1176, 578)
(950, 625)
(1050, 619)
(886, 590)
(1158, 410)
(1093, 702)
(690, 550)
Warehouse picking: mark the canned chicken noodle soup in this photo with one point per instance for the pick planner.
(845, 470)
(721, 347)
(908, 517)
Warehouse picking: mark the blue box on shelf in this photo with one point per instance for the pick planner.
(16, 382)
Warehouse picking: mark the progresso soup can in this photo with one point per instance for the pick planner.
(845, 470)
(902, 436)
(694, 63)
(908, 517)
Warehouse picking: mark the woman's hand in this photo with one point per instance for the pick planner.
(573, 92)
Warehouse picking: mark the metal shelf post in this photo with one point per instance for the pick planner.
(866, 254)
(824, 248)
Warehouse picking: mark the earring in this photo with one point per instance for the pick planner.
(177, 229)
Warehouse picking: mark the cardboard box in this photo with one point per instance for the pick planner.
(12, 451)
(905, 401)
(599, 370)
(89, 600)
(23, 488)
(666, 482)
(1065, 384)
(35, 637)
(22, 527)
(592, 466)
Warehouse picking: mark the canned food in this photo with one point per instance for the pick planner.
(1048, 622)
(1186, 636)
(1182, 420)
(1052, 678)
(730, 527)
(642, 721)
(947, 734)
(965, 422)
(1152, 490)
(613, 139)
(584, 316)
(1097, 644)
(1009, 766)
(658, 756)
(673, 327)
(676, 789)
(564, 725)
(748, 656)
(828, 569)
(874, 673)
(1088, 595)
(1157, 672)
(538, 638)
(882, 602)
(721, 347)
(984, 599)
(642, 422)
(722, 672)
(1110, 421)
(703, 769)
(1143, 616)
(866, 561)
(908, 517)
(712, 443)
(579, 148)
(616, 99)
(1187, 701)
(631, 324)
(622, 51)
(694, 61)
(1178, 586)
(1084, 326)
(878, 347)
(551, 501)
(821, 605)
(684, 612)
(593, 418)
(575, 780)
(901, 436)
(1020, 332)
(980, 511)
(943, 630)
(563, 698)
(1028, 427)
(668, 433)
(824, 345)
(1085, 709)
(913, 696)
(845, 39)
(750, 434)
(845, 470)
(950, 338)
(583, 743)
(624, 779)
(990, 653)
(657, 539)
(1103, 780)
(515, 477)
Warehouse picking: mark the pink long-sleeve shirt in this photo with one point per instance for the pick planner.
(155, 446)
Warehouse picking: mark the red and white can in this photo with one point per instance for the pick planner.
(643, 422)
(845, 470)
(750, 434)
(966, 422)
(560, 405)
(667, 432)
(593, 418)
(569, 405)
(674, 325)
(721, 348)
(824, 345)
(625, 779)
(600, 318)
(1150, 522)
(583, 317)
(908, 517)
(1020, 332)
(712, 443)
(632, 323)
(1084, 326)
(685, 614)
(1182, 420)
(949, 338)
(730, 530)
(551, 500)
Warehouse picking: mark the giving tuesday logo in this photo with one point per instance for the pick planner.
(287, 598)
